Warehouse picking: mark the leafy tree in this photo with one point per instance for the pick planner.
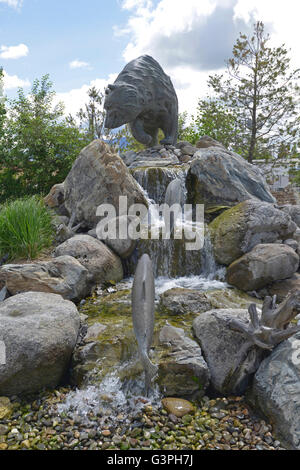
(41, 145)
(261, 90)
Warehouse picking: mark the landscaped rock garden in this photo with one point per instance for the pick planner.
(67, 326)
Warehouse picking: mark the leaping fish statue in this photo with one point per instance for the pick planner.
(174, 195)
(143, 297)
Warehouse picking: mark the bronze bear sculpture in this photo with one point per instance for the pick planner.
(143, 96)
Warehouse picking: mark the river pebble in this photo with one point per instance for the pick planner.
(222, 423)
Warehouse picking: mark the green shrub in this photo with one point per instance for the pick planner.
(25, 228)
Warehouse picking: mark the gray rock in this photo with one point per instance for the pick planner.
(293, 211)
(263, 265)
(63, 233)
(123, 247)
(239, 229)
(282, 288)
(296, 235)
(94, 331)
(206, 141)
(292, 244)
(128, 157)
(179, 301)
(220, 177)
(98, 176)
(147, 158)
(63, 275)
(182, 369)
(39, 331)
(95, 256)
(276, 391)
(56, 196)
(221, 347)
(189, 150)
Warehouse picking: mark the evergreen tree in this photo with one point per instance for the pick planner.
(261, 90)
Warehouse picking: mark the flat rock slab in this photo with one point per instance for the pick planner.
(63, 275)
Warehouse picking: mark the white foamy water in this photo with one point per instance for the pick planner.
(110, 398)
(200, 283)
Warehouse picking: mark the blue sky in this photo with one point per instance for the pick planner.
(87, 42)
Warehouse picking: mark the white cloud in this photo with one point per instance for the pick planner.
(192, 39)
(78, 64)
(13, 3)
(13, 81)
(284, 21)
(13, 52)
(76, 98)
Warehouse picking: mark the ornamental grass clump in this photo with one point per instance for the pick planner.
(25, 228)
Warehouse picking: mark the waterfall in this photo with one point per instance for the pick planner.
(155, 180)
(169, 257)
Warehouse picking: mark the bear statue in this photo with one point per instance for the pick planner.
(143, 96)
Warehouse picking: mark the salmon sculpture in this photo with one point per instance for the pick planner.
(143, 298)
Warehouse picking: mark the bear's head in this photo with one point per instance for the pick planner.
(122, 104)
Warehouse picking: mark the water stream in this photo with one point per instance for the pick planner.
(174, 266)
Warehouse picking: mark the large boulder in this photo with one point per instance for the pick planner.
(102, 264)
(98, 176)
(263, 265)
(237, 230)
(124, 247)
(293, 211)
(182, 370)
(221, 347)
(39, 331)
(276, 390)
(63, 275)
(220, 177)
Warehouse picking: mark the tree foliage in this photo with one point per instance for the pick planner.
(40, 145)
(261, 89)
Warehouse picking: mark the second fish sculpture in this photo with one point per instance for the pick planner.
(143, 306)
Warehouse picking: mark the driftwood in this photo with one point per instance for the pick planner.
(262, 335)
(273, 326)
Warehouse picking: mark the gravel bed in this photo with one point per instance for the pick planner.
(222, 423)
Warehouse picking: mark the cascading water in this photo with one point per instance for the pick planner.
(155, 180)
(174, 266)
